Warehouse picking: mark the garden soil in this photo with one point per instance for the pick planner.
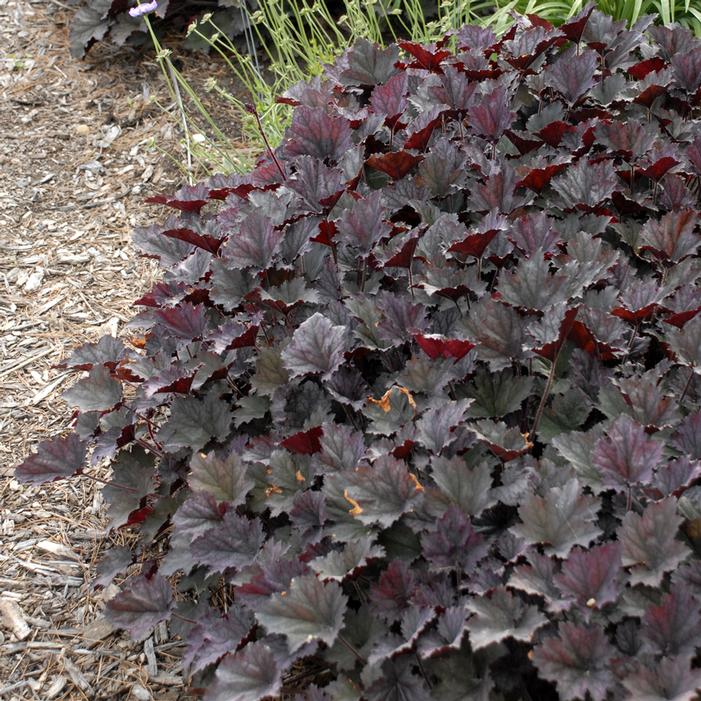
(78, 156)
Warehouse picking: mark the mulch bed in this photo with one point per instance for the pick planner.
(79, 155)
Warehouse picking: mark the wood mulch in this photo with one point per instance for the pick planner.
(77, 157)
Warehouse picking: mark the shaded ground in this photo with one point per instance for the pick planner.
(76, 159)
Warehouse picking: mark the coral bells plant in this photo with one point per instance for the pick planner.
(415, 414)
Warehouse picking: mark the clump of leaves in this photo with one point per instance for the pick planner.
(416, 411)
(109, 20)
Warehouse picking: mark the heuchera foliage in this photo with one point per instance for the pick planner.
(416, 408)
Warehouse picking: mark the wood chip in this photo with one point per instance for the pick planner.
(14, 618)
(152, 665)
(97, 630)
(59, 549)
(77, 676)
(56, 687)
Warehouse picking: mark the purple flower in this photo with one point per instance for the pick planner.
(143, 9)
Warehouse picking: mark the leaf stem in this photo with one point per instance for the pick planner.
(147, 446)
(544, 398)
(149, 424)
(423, 671)
(101, 480)
(252, 110)
(351, 648)
(687, 385)
(549, 383)
(185, 619)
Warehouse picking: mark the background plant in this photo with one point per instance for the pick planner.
(416, 408)
(109, 20)
(299, 39)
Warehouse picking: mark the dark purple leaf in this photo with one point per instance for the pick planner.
(389, 99)
(308, 512)
(310, 610)
(454, 544)
(225, 478)
(315, 132)
(397, 682)
(140, 606)
(341, 447)
(673, 628)
(506, 443)
(251, 674)
(114, 562)
(133, 474)
(453, 89)
(189, 198)
(437, 346)
(55, 459)
(443, 170)
(229, 285)
(368, 64)
(533, 232)
(194, 422)
(234, 543)
(354, 556)
(498, 393)
(316, 183)
(673, 477)
(538, 578)
(562, 518)
(393, 410)
(272, 572)
(500, 616)
(668, 679)
(576, 661)
(673, 40)
(198, 514)
(592, 577)
(687, 439)
(470, 488)
(586, 184)
(626, 456)
(401, 318)
(687, 69)
(436, 428)
(650, 547)
(686, 343)
(448, 634)
(396, 164)
(206, 242)
(253, 244)
(186, 321)
(107, 351)
(383, 492)
(498, 332)
(393, 591)
(533, 287)
(492, 115)
(572, 74)
(215, 636)
(317, 346)
(96, 392)
(672, 237)
(363, 224)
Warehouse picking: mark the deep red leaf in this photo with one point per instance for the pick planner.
(436, 346)
(205, 242)
(427, 58)
(396, 164)
(642, 68)
(304, 442)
